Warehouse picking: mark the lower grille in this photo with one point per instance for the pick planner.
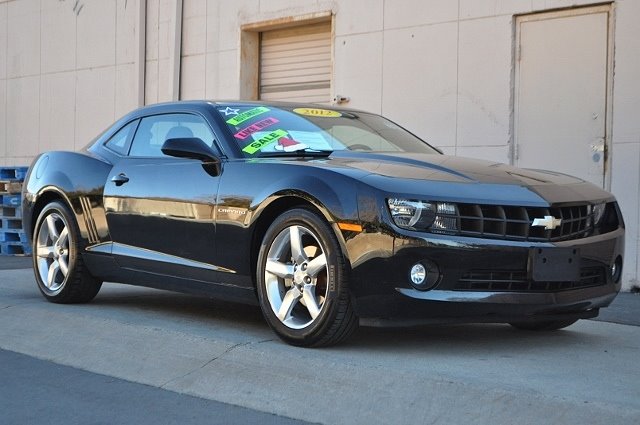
(516, 281)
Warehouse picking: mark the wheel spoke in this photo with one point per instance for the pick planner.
(64, 266)
(309, 296)
(45, 251)
(297, 250)
(53, 272)
(51, 226)
(279, 269)
(63, 239)
(316, 265)
(288, 302)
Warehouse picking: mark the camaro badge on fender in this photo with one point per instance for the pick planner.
(549, 222)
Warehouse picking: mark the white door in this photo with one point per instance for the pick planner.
(562, 65)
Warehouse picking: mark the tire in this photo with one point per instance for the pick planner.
(544, 325)
(302, 281)
(60, 271)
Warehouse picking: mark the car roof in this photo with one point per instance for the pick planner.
(213, 103)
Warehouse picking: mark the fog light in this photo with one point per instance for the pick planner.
(424, 275)
(616, 270)
(418, 274)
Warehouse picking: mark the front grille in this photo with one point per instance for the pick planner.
(517, 281)
(515, 223)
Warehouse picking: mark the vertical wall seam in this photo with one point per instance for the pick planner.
(141, 73)
(637, 235)
(157, 30)
(6, 87)
(115, 65)
(382, 61)
(206, 35)
(75, 84)
(455, 141)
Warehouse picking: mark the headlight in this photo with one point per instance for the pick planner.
(598, 213)
(423, 215)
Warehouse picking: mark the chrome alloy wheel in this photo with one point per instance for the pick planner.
(295, 277)
(52, 251)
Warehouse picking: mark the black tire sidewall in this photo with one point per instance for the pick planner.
(335, 276)
(73, 234)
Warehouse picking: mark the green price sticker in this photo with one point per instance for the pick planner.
(247, 115)
(270, 138)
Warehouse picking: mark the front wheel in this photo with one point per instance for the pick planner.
(544, 325)
(60, 272)
(302, 281)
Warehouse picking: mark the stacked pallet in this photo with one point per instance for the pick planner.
(13, 240)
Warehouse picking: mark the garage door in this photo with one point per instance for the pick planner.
(295, 64)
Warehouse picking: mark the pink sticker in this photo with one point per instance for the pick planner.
(248, 131)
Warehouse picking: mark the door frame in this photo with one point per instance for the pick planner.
(608, 8)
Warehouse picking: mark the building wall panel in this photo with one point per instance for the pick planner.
(4, 33)
(57, 110)
(95, 100)
(23, 116)
(96, 35)
(484, 75)
(419, 89)
(359, 76)
(23, 38)
(415, 13)
(57, 37)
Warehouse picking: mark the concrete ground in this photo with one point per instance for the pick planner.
(182, 346)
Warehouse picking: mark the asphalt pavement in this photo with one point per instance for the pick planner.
(142, 355)
(36, 392)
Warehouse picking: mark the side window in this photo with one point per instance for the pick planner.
(119, 142)
(153, 131)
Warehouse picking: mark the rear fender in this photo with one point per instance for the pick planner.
(76, 178)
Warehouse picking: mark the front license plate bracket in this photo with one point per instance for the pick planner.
(554, 264)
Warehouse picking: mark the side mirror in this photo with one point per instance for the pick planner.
(193, 148)
(189, 147)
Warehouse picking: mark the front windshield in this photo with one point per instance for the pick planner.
(263, 130)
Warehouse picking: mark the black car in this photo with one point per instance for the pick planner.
(325, 217)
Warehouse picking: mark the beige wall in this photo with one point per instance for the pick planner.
(65, 74)
(442, 68)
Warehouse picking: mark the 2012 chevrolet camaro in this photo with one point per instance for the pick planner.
(325, 217)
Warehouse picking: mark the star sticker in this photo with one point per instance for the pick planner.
(229, 111)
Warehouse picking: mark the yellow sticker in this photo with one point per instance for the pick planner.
(312, 112)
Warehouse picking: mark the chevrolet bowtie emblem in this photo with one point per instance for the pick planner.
(549, 222)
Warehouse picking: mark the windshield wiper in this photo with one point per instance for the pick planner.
(300, 153)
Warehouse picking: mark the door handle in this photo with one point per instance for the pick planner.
(120, 179)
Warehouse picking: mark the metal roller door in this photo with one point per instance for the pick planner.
(295, 64)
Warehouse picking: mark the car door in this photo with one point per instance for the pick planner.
(161, 210)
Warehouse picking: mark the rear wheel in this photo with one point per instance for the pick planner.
(302, 281)
(543, 325)
(60, 272)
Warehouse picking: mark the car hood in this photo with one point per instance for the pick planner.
(472, 180)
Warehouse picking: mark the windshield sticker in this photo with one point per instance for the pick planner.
(229, 111)
(247, 115)
(255, 127)
(264, 141)
(312, 112)
(290, 145)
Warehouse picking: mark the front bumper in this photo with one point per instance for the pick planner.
(383, 294)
